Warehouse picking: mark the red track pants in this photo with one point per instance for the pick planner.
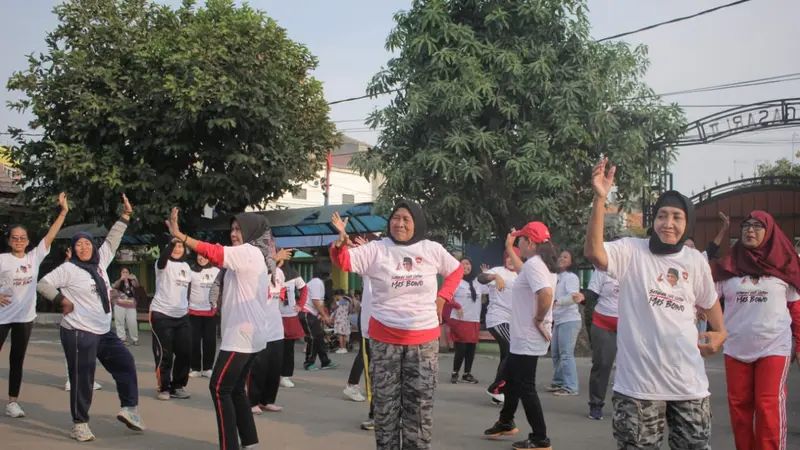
(757, 402)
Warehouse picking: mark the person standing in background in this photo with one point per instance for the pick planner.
(464, 323)
(604, 290)
(290, 307)
(313, 315)
(202, 318)
(169, 322)
(19, 271)
(566, 326)
(125, 306)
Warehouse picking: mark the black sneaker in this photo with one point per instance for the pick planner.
(501, 429)
(468, 378)
(529, 444)
(454, 378)
(595, 412)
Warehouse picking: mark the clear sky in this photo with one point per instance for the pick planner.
(754, 40)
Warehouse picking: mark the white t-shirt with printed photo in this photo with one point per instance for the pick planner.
(526, 339)
(287, 307)
(18, 277)
(246, 325)
(200, 288)
(757, 317)
(172, 289)
(272, 307)
(499, 309)
(471, 311)
(79, 287)
(607, 290)
(658, 357)
(316, 291)
(403, 281)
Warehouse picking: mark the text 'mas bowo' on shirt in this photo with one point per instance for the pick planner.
(757, 317)
(18, 277)
(658, 357)
(404, 287)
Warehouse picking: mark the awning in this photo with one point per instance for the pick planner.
(292, 228)
(313, 221)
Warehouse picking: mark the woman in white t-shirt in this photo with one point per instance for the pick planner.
(465, 324)
(291, 305)
(531, 322)
(499, 282)
(604, 291)
(660, 375)
(566, 326)
(404, 327)
(169, 322)
(247, 322)
(759, 280)
(82, 288)
(202, 317)
(19, 271)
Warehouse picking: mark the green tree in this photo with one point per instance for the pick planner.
(187, 107)
(502, 107)
(780, 168)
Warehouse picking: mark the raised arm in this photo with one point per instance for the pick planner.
(601, 183)
(515, 259)
(114, 237)
(58, 223)
(215, 293)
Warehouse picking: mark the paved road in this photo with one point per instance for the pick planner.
(317, 415)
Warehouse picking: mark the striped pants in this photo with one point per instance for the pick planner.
(502, 335)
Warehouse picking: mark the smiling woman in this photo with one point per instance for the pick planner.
(18, 274)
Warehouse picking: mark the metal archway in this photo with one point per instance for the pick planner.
(772, 114)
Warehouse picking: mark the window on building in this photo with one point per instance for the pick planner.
(301, 194)
(348, 199)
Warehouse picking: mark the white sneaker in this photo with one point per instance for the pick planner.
(81, 432)
(195, 374)
(130, 417)
(207, 373)
(14, 410)
(163, 395)
(97, 386)
(341, 351)
(286, 382)
(354, 393)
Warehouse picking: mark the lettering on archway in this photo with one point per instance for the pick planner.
(758, 116)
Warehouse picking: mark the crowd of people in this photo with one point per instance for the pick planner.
(651, 298)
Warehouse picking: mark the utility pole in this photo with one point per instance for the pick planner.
(327, 191)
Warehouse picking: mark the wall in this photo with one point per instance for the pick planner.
(343, 181)
(782, 202)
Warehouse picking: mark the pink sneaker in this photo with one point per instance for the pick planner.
(271, 408)
(256, 410)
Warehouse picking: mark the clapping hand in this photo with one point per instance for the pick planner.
(172, 223)
(341, 226)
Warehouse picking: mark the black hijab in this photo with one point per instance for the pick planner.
(289, 273)
(420, 223)
(469, 278)
(257, 232)
(676, 200)
(199, 268)
(93, 267)
(170, 247)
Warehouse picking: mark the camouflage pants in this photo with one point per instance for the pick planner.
(404, 378)
(640, 424)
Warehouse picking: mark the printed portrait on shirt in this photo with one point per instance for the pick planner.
(407, 272)
(669, 291)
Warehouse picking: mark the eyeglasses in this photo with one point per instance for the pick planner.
(19, 238)
(755, 226)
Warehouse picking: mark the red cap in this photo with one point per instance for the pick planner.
(535, 231)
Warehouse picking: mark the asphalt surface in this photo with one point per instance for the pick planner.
(316, 414)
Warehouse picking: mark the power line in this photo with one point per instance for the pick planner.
(627, 33)
(676, 20)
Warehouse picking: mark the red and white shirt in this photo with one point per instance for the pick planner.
(404, 286)
(287, 307)
(757, 317)
(658, 357)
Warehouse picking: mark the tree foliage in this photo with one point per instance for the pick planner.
(501, 108)
(780, 168)
(186, 107)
